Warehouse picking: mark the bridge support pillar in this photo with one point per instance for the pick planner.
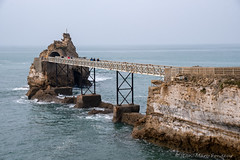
(91, 78)
(128, 88)
(88, 101)
(62, 70)
(125, 108)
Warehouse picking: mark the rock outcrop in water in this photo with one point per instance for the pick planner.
(196, 115)
(42, 80)
(64, 48)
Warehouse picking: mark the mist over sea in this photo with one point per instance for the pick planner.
(38, 130)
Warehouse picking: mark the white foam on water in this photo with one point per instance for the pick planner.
(108, 116)
(36, 101)
(102, 78)
(98, 117)
(97, 108)
(71, 105)
(141, 96)
(42, 102)
(24, 88)
(60, 96)
(23, 100)
(63, 108)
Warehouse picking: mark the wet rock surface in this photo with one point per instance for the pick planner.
(132, 119)
(97, 111)
(70, 100)
(200, 115)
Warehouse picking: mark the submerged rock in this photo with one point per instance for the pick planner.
(69, 100)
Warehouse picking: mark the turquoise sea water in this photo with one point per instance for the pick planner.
(38, 130)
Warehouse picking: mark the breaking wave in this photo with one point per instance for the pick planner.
(98, 117)
(25, 88)
(102, 78)
(25, 100)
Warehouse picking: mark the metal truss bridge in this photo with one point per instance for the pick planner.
(165, 72)
(147, 69)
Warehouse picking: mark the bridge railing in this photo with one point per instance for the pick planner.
(203, 71)
(217, 71)
(168, 72)
(148, 69)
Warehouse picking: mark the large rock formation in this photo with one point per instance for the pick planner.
(196, 115)
(64, 47)
(47, 80)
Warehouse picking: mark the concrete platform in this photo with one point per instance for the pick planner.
(88, 101)
(126, 108)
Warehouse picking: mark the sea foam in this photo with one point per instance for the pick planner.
(102, 78)
(25, 88)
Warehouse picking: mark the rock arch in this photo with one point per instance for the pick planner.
(54, 54)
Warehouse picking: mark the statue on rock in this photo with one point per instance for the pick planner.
(46, 80)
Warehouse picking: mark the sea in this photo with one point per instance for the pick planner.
(32, 129)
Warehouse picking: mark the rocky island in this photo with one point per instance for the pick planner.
(42, 80)
(44, 85)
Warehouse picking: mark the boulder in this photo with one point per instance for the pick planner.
(69, 100)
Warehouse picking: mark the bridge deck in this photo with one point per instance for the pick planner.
(147, 69)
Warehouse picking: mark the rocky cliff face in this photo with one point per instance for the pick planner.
(199, 115)
(47, 80)
(64, 47)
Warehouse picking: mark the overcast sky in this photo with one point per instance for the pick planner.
(120, 22)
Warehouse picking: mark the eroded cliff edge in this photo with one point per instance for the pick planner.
(197, 114)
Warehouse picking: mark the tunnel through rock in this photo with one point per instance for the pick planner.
(54, 54)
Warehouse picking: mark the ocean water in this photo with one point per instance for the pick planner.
(39, 130)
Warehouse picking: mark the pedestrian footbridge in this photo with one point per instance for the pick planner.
(167, 73)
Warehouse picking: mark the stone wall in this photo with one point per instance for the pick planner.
(194, 116)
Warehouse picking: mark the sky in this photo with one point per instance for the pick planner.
(119, 22)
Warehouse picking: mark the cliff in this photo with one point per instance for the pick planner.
(47, 80)
(194, 115)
